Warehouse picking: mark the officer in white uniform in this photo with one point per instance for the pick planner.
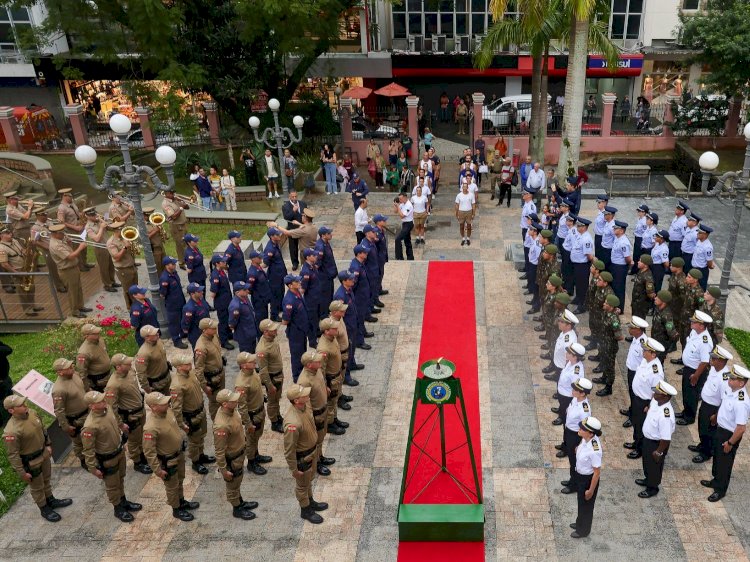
(621, 258)
(688, 241)
(657, 436)
(695, 356)
(648, 374)
(637, 330)
(572, 371)
(703, 258)
(713, 390)
(677, 229)
(578, 410)
(587, 472)
(568, 336)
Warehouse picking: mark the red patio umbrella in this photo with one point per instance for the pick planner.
(357, 93)
(393, 90)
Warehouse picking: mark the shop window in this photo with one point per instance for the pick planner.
(477, 24)
(446, 24)
(618, 26)
(399, 26)
(446, 6)
(461, 24)
(415, 24)
(619, 6)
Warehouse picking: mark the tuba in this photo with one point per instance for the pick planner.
(29, 265)
(158, 219)
(130, 234)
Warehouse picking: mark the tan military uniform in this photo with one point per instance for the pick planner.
(300, 446)
(318, 401)
(26, 443)
(271, 373)
(157, 247)
(209, 368)
(117, 210)
(229, 442)
(43, 244)
(14, 255)
(163, 447)
(124, 267)
(93, 365)
(19, 226)
(187, 405)
(252, 412)
(102, 447)
(69, 214)
(330, 366)
(124, 397)
(307, 234)
(177, 225)
(152, 368)
(103, 259)
(70, 408)
(67, 267)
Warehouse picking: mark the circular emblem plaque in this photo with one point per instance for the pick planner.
(438, 392)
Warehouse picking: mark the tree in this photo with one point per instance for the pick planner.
(228, 49)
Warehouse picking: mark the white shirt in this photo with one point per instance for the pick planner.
(269, 165)
(563, 340)
(227, 182)
(576, 413)
(528, 208)
(734, 409)
(583, 246)
(465, 201)
(537, 179)
(660, 253)
(659, 424)
(426, 166)
(473, 189)
(570, 373)
(419, 202)
(704, 253)
(588, 456)
(697, 349)
(361, 218)
(620, 250)
(425, 189)
(407, 209)
(635, 353)
(646, 376)
(716, 385)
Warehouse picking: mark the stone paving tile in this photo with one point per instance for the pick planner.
(378, 539)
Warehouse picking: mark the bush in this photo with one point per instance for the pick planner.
(740, 340)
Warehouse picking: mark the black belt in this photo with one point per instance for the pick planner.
(75, 417)
(161, 377)
(320, 411)
(98, 377)
(166, 458)
(103, 457)
(256, 411)
(331, 376)
(275, 375)
(124, 412)
(303, 454)
(192, 413)
(31, 456)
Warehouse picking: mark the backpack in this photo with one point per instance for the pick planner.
(514, 179)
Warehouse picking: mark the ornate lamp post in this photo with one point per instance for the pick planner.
(733, 183)
(276, 137)
(131, 179)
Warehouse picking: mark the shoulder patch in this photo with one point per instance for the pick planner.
(615, 324)
(87, 434)
(669, 326)
(57, 398)
(705, 338)
(595, 444)
(577, 369)
(140, 359)
(667, 413)
(221, 433)
(200, 352)
(109, 394)
(655, 368)
(135, 313)
(585, 407)
(291, 427)
(9, 438)
(148, 436)
(567, 338)
(741, 396)
(81, 358)
(289, 306)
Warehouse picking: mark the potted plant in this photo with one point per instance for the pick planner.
(308, 163)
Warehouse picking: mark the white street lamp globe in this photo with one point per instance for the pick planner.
(165, 155)
(119, 124)
(709, 161)
(274, 104)
(254, 122)
(85, 155)
(298, 121)
(746, 131)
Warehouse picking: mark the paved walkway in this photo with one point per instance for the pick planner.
(527, 517)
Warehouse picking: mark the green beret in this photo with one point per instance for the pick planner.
(714, 291)
(664, 296)
(606, 276)
(546, 234)
(646, 259)
(678, 262)
(599, 264)
(613, 301)
(696, 274)
(555, 281)
(563, 298)
(551, 249)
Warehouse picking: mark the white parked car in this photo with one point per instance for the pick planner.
(361, 130)
(496, 114)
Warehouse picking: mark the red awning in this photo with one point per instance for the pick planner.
(357, 93)
(393, 90)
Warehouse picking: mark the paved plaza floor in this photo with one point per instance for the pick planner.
(526, 516)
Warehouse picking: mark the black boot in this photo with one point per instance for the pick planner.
(130, 506)
(123, 514)
(199, 468)
(262, 459)
(181, 514)
(185, 504)
(345, 397)
(55, 503)
(241, 513)
(343, 404)
(247, 505)
(255, 468)
(606, 391)
(308, 514)
(335, 429)
(142, 465)
(326, 461)
(206, 459)
(49, 514)
(340, 423)
(323, 470)
(318, 506)
(278, 425)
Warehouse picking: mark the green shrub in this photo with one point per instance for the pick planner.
(740, 340)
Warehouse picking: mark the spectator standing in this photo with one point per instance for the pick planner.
(290, 170)
(228, 190)
(328, 157)
(462, 114)
(429, 138)
(344, 173)
(405, 211)
(251, 168)
(203, 185)
(420, 202)
(269, 170)
(444, 108)
(216, 196)
(537, 183)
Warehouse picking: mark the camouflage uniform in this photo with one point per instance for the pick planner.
(715, 328)
(678, 287)
(543, 273)
(596, 313)
(643, 293)
(693, 301)
(664, 330)
(611, 336)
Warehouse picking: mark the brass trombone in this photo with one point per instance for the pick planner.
(76, 239)
(130, 234)
(191, 201)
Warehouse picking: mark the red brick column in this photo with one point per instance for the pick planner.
(345, 118)
(608, 108)
(477, 99)
(212, 116)
(411, 115)
(144, 118)
(10, 129)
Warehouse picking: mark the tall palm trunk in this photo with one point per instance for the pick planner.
(536, 78)
(541, 124)
(575, 91)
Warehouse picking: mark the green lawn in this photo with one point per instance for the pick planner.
(212, 234)
(740, 340)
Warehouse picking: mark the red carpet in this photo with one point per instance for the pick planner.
(448, 330)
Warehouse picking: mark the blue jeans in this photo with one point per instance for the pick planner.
(289, 182)
(206, 202)
(330, 170)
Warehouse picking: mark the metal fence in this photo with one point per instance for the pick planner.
(380, 123)
(22, 310)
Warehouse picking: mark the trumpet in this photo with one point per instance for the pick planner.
(130, 234)
(158, 219)
(191, 201)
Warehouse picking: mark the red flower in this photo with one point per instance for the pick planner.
(125, 324)
(110, 332)
(100, 307)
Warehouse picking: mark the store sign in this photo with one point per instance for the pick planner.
(622, 63)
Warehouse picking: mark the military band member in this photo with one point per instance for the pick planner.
(96, 230)
(331, 363)
(29, 451)
(157, 240)
(41, 235)
(300, 451)
(711, 395)
(270, 367)
(162, 445)
(92, 359)
(242, 318)
(187, 405)
(252, 410)
(142, 313)
(71, 218)
(12, 260)
(229, 441)
(120, 210)
(151, 365)
(102, 438)
(209, 364)
(17, 216)
(175, 213)
(170, 289)
(658, 428)
(70, 408)
(311, 376)
(123, 259)
(195, 310)
(124, 396)
(66, 260)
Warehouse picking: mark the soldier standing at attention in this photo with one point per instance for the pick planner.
(29, 451)
(693, 300)
(170, 289)
(713, 390)
(242, 318)
(596, 312)
(548, 266)
(209, 364)
(162, 444)
(610, 345)
(597, 267)
(221, 294)
(678, 287)
(175, 212)
(310, 286)
(142, 312)
(620, 260)
(587, 473)
(658, 428)
(187, 406)
(260, 289)
(229, 441)
(578, 410)
(566, 323)
(194, 311)
(66, 261)
(581, 255)
(644, 292)
(271, 371)
(648, 374)
(712, 308)
(637, 330)
(695, 356)
(294, 317)
(337, 313)
(300, 446)
(196, 269)
(689, 240)
(677, 229)
(330, 366)
(235, 257)
(124, 397)
(327, 269)
(703, 259)
(252, 411)
(151, 365)
(92, 359)
(70, 408)
(663, 327)
(276, 269)
(312, 377)
(102, 446)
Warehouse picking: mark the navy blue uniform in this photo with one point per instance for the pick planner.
(260, 291)
(350, 321)
(242, 322)
(361, 297)
(142, 314)
(276, 273)
(236, 263)
(327, 271)
(192, 313)
(311, 290)
(373, 270)
(170, 289)
(382, 245)
(195, 266)
(221, 292)
(297, 329)
(354, 188)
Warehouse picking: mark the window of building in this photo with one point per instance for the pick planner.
(690, 4)
(399, 26)
(625, 21)
(13, 23)
(442, 17)
(430, 24)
